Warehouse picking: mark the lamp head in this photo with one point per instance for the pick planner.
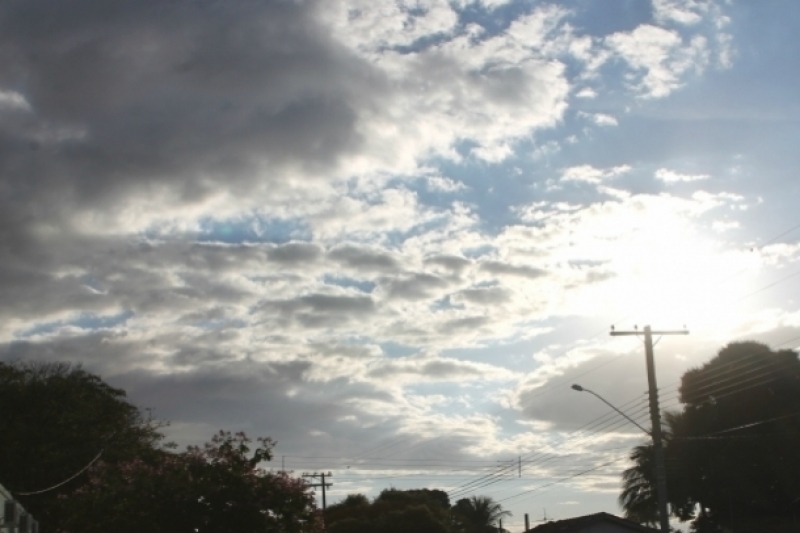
(577, 388)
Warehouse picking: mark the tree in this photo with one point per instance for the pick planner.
(217, 488)
(731, 451)
(353, 509)
(393, 511)
(54, 419)
(479, 514)
(638, 498)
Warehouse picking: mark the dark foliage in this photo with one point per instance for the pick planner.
(422, 510)
(218, 488)
(54, 419)
(732, 453)
(479, 514)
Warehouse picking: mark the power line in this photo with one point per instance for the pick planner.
(76, 474)
(528, 457)
(539, 458)
(560, 480)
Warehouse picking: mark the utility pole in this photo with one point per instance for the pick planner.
(655, 417)
(320, 484)
(527, 522)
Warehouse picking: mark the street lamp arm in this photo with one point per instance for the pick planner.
(631, 420)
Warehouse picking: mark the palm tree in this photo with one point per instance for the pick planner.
(479, 514)
(638, 498)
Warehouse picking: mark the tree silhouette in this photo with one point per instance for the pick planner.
(54, 419)
(479, 514)
(731, 455)
(393, 511)
(638, 498)
(218, 487)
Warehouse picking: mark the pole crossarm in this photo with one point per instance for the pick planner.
(321, 484)
(637, 332)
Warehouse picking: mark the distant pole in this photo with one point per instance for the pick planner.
(322, 484)
(655, 419)
(527, 522)
(500, 529)
(324, 503)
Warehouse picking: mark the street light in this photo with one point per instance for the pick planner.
(661, 486)
(631, 420)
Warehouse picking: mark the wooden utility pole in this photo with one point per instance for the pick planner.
(655, 417)
(322, 484)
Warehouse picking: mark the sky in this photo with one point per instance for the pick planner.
(390, 234)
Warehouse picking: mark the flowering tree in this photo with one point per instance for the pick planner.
(54, 419)
(215, 488)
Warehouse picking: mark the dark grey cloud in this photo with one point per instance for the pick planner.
(364, 259)
(620, 378)
(104, 352)
(208, 257)
(507, 269)
(440, 369)
(294, 253)
(105, 275)
(217, 390)
(317, 310)
(323, 303)
(463, 324)
(453, 263)
(266, 399)
(173, 100)
(484, 296)
(417, 286)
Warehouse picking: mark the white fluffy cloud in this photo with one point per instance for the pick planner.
(589, 174)
(671, 176)
(660, 56)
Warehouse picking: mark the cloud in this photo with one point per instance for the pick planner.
(436, 369)
(660, 56)
(613, 369)
(317, 310)
(294, 253)
(364, 259)
(12, 100)
(601, 119)
(670, 176)
(453, 264)
(194, 113)
(590, 174)
(686, 12)
(506, 269)
(416, 286)
(488, 296)
(443, 184)
(466, 77)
